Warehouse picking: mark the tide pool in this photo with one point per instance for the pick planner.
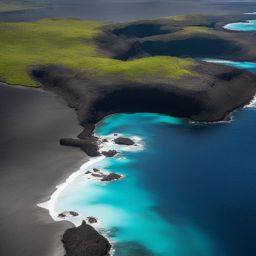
(247, 26)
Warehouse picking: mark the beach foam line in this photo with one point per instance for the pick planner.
(49, 205)
(252, 103)
(110, 144)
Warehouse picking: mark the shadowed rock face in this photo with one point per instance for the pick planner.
(197, 47)
(85, 241)
(142, 30)
(209, 94)
(194, 36)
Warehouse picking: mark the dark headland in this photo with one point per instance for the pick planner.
(207, 93)
(204, 92)
(194, 90)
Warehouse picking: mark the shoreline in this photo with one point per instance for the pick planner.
(109, 145)
(67, 169)
(32, 177)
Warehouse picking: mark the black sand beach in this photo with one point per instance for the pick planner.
(32, 164)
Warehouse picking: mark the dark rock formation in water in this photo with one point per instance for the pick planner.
(85, 241)
(97, 173)
(68, 214)
(92, 220)
(109, 153)
(124, 141)
(111, 177)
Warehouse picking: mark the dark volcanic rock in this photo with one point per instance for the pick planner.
(109, 153)
(85, 241)
(124, 141)
(97, 175)
(91, 220)
(111, 177)
(68, 214)
(88, 145)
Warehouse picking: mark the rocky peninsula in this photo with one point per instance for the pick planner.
(145, 66)
(185, 87)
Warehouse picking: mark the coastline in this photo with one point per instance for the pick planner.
(49, 156)
(31, 137)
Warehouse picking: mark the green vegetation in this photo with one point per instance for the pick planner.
(197, 30)
(69, 42)
(193, 18)
(15, 5)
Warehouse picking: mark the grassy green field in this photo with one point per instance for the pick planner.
(15, 5)
(69, 42)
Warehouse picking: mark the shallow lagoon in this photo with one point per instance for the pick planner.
(247, 26)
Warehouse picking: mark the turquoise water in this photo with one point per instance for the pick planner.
(188, 189)
(247, 26)
(249, 66)
(127, 209)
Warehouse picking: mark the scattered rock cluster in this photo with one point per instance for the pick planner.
(109, 153)
(103, 176)
(67, 214)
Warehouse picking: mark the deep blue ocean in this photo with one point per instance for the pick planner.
(188, 189)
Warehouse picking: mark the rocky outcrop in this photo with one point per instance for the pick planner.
(68, 214)
(91, 220)
(88, 145)
(85, 241)
(109, 153)
(111, 177)
(124, 141)
(104, 176)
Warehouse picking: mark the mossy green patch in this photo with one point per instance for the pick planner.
(189, 19)
(70, 42)
(197, 30)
